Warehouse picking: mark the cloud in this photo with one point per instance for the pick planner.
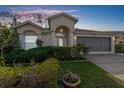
(46, 11)
(43, 11)
(24, 13)
(75, 15)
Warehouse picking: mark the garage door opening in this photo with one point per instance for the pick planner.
(96, 44)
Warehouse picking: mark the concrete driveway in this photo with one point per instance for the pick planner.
(111, 63)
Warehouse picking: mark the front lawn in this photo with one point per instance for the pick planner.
(91, 75)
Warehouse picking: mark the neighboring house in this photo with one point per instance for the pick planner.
(119, 39)
(119, 36)
(62, 32)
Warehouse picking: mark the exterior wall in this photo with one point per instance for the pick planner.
(63, 21)
(47, 39)
(100, 52)
(21, 39)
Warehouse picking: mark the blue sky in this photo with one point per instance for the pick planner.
(90, 17)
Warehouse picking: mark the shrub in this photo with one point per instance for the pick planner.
(41, 53)
(62, 53)
(69, 53)
(71, 77)
(39, 43)
(38, 54)
(50, 72)
(13, 55)
(119, 48)
(45, 74)
(20, 55)
(2, 61)
(84, 50)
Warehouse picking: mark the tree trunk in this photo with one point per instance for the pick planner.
(1, 52)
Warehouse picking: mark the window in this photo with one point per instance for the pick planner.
(30, 41)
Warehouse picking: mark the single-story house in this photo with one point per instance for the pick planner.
(62, 32)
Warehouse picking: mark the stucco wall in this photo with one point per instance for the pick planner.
(63, 21)
(47, 39)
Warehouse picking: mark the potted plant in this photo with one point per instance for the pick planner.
(39, 42)
(71, 80)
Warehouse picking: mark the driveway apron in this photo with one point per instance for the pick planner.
(112, 63)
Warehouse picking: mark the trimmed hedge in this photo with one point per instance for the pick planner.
(69, 53)
(41, 53)
(119, 48)
(13, 55)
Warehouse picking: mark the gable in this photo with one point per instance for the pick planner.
(28, 27)
(65, 15)
(61, 21)
(27, 23)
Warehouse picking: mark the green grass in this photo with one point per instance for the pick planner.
(91, 75)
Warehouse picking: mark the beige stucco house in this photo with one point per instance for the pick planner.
(62, 32)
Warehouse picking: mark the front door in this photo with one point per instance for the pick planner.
(60, 41)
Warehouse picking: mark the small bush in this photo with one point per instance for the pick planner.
(119, 48)
(62, 53)
(84, 49)
(39, 43)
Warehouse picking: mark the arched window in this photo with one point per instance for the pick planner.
(30, 39)
(62, 36)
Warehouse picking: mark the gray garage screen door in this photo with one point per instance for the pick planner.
(96, 43)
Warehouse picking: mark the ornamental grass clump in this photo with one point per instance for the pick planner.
(71, 80)
(71, 77)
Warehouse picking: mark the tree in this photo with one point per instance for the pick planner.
(5, 36)
(14, 41)
(42, 20)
